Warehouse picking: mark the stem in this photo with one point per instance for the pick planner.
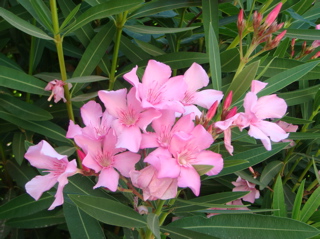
(120, 21)
(158, 211)
(58, 41)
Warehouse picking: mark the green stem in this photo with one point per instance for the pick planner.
(287, 177)
(120, 21)
(58, 41)
(158, 211)
(305, 171)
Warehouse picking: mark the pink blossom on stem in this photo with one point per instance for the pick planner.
(316, 43)
(273, 15)
(152, 186)
(130, 117)
(243, 185)
(43, 156)
(197, 78)
(103, 157)
(158, 90)
(57, 90)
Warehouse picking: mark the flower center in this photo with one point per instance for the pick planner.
(128, 117)
(105, 160)
(154, 94)
(188, 98)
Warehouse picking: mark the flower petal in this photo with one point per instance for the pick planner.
(109, 178)
(196, 77)
(39, 184)
(190, 178)
(125, 162)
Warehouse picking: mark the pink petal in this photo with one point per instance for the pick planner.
(169, 168)
(274, 131)
(210, 158)
(196, 77)
(125, 162)
(147, 117)
(128, 137)
(149, 140)
(249, 102)
(39, 184)
(156, 72)
(227, 141)
(108, 178)
(43, 156)
(202, 138)
(63, 180)
(206, 98)
(175, 88)
(190, 178)
(114, 101)
(258, 134)
(165, 122)
(90, 162)
(163, 188)
(185, 124)
(192, 109)
(132, 77)
(91, 113)
(257, 86)
(73, 130)
(270, 106)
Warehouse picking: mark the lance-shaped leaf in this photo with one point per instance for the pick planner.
(156, 30)
(23, 25)
(298, 202)
(303, 34)
(21, 81)
(214, 59)
(153, 224)
(102, 11)
(278, 199)
(154, 7)
(310, 206)
(81, 225)
(180, 233)
(299, 96)
(269, 172)
(18, 149)
(109, 211)
(244, 226)
(24, 205)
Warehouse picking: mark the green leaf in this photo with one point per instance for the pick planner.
(287, 77)
(293, 120)
(304, 136)
(86, 79)
(156, 30)
(242, 82)
(213, 199)
(230, 60)
(278, 199)
(23, 25)
(109, 211)
(43, 13)
(41, 219)
(21, 81)
(316, 103)
(202, 169)
(214, 59)
(155, 7)
(149, 48)
(310, 206)
(179, 233)
(69, 17)
(303, 34)
(253, 156)
(5, 61)
(45, 128)
(132, 51)
(153, 224)
(84, 97)
(80, 224)
(297, 97)
(24, 205)
(102, 11)
(298, 202)
(269, 172)
(18, 107)
(244, 226)
(18, 149)
(21, 174)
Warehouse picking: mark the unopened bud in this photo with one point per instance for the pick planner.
(212, 111)
(81, 154)
(273, 15)
(315, 56)
(232, 112)
(257, 18)
(228, 101)
(240, 22)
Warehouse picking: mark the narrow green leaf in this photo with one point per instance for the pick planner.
(213, 199)
(84, 97)
(230, 60)
(278, 199)
(155, 7)
(109, 211)
(269, 172)
(316, 103)
(242, 82)
(69, 17)
(45, 128)
(102, 11)
(304, 136)
(21, 174)
(287, 77)
(153, 224)
(23, 25)
(43, 13)
(132, 51)
(24, 205)
(214, 59)
(310, 206)
(202, 169)
(244, 226)
(149, 48)
(293, 120)
(156, 30)
(18, 149)
(5, 61)
(21, 81)
(298, 202)
(179, 233)
(80, 224)
(41, 219)
(297, 97)
(253, 156)
(303, 34)
(86, 79)
(18, 107)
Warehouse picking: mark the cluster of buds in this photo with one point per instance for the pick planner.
(306, 50)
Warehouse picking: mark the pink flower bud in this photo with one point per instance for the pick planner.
(241, 22)
(228, 101)
(293, 41)
(257, 18)
(273, 15)
(212, 111)
(232, 112)
(315, 56)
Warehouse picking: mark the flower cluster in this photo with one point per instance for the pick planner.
(157, 122)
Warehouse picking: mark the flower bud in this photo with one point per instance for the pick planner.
(228, 101)
(212, 111)
(273, 15)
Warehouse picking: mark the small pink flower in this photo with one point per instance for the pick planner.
(56, 86)
(43, 156)
(153, 187)
(288, 128)
(244, 185)
(316, 43)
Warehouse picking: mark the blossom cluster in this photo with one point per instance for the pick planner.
(157, 122)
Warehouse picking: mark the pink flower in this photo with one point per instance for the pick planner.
(273, 15)
(43, 156)
(158, 90)
(97, 123)
(316, 43)
(244, 185)
(185, 151)
(288, 128)
(56, 86)
(130, 117)
(196, 78)
(153, 187)
(104, 157)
